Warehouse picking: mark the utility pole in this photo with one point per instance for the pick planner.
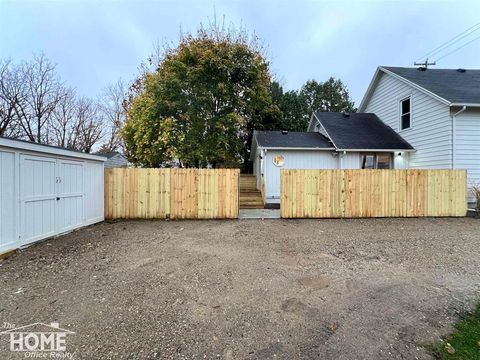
(425, 64)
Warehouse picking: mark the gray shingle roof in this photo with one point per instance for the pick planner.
(277, 139)
(450, 84)
(361, 131)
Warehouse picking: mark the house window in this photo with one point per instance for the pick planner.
(405, 114)
(368, 161)
(384, 161)
(376, 161)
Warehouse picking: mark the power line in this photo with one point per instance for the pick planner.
(452, 41)
(460, 47)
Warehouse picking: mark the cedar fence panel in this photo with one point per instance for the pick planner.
(171, 193)
(372, 193)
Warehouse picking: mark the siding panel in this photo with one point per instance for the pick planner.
(431, 131)
(467, 154)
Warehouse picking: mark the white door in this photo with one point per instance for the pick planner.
(69, 209)
(51, 195)
(38, 198)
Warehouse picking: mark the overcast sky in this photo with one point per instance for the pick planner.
(94, 43)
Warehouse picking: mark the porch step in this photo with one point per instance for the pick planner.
(248, 182)
(250, 197)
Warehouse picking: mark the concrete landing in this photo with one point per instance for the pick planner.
(259, 214)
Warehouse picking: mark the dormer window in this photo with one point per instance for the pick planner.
(405, 114)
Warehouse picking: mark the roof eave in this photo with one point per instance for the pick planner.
(465, 104)
(365, 98)
(294, 148)
(377, 150)
(45, 149)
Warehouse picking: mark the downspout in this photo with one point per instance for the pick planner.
(454, 136)
(340, 157)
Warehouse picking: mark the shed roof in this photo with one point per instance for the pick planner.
(360, 131)
(47, 149)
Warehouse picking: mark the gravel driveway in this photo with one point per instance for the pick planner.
(251, 289)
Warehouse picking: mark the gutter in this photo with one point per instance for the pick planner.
(376, 150)
(454, 130)
(294, 148)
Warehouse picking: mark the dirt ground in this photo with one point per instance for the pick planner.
(250, 289)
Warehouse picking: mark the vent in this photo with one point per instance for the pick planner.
(284, 132)
(345, 114)
(461, 70)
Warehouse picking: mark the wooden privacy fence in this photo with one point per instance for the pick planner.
(372, 193)
(171, 193)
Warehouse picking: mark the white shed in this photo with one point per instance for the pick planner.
(46, 191)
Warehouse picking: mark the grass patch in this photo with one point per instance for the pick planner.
(463, 343)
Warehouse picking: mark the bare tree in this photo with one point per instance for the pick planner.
(43, 92)
(112, 104)
(63, 120)
(88, 127)
(12, 95)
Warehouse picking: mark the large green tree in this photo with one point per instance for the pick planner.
(331, 95)
(201, 104)
(297, 106)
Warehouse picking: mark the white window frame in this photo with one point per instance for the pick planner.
(409, 97)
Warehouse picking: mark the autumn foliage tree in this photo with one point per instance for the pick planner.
(200, 106)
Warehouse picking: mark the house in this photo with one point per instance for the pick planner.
(114, 159)
(409, 118)
(334, 141)
(436, 110)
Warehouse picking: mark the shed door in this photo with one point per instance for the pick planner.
(38, 198)
(51, 193)
(69, 182)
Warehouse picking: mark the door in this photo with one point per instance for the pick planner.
(51, 196)
(38, 198)
(69, 203)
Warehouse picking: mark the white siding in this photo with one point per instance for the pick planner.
(431, 126)
(351, 160)
(44, 194)
(8, 208)
(94, 192)
(467, 140)
(294, 159)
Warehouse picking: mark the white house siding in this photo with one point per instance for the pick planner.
(351, 160)
(294, 159)
(431, 131)
(467, 140)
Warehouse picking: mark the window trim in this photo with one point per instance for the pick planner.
(400, 101)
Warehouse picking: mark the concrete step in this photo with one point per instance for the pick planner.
(251, 206)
